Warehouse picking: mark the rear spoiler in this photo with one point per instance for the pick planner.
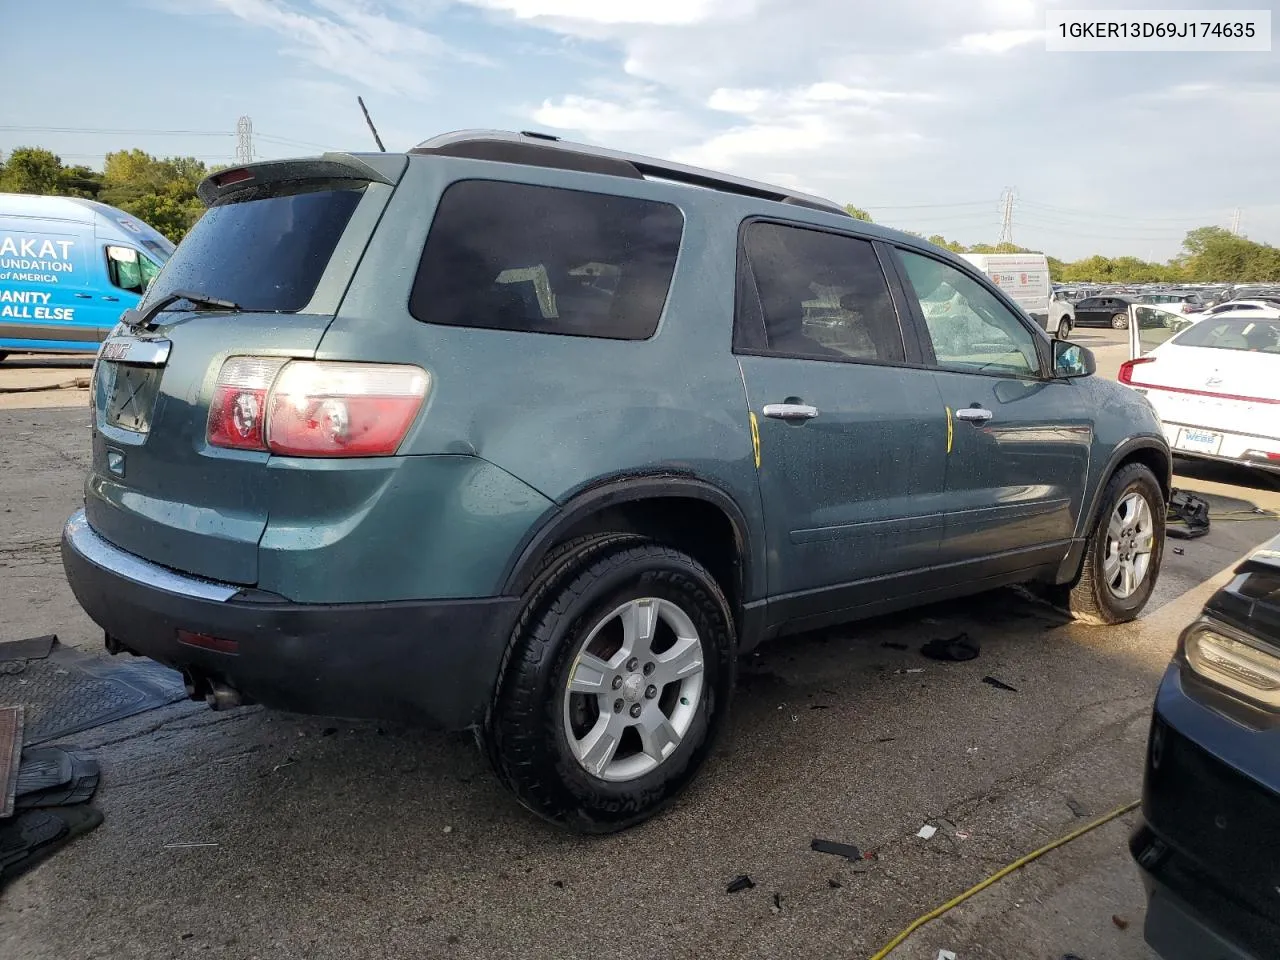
(365, 168)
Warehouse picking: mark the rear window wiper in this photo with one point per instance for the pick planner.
(140, 319)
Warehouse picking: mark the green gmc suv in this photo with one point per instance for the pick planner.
(537, 439)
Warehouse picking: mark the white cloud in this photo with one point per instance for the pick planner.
(598, 119)
(349, 39)
(656, 12)
(997, 41)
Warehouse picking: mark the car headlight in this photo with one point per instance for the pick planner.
(1234, 660)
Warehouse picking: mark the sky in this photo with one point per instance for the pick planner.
(921, 111)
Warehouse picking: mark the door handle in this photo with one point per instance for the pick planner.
(84, 296)
(790, 411)
(112, 299)
(973, 414)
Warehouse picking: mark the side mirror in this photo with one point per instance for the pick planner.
(1072, 360)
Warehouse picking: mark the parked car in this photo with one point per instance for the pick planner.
(1267, 307)
(1215, 383)
(1105, 310)
(1211, 799)
(68, 269)
(533, 438)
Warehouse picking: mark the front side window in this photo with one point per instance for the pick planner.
(532, 259)
(130, 270)
(822, 296)
(970, 328)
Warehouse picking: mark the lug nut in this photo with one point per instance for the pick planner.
(635, 709)
(651, 692)
(632, 664)
(617, 683)
(649, 668)
(617, 706)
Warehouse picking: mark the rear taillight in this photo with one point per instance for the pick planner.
(238, 413)
(305, 408)
(1126, 368)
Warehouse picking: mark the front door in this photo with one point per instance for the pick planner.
(1019, 454)
(852, 441)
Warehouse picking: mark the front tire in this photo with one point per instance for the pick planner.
(1124, 551)
(1064, 329)
(615, 685)
(1120, 321)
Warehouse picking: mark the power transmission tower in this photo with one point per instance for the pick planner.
(1006, 215)
(1235, 221)
(244, 140)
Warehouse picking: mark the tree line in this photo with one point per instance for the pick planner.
(1209, 254)
(162, 192)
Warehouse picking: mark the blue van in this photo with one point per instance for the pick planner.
(68, 269)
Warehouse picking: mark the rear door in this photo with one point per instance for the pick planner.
(283, 250)
(851, 436)
(1019, 455)
(1151, 325)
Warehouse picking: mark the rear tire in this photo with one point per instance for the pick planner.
(1120, 321)
(1064, 329)
(1116, 547)
(569, 753)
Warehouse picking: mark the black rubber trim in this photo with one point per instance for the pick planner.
(612, 491)
(41, 331)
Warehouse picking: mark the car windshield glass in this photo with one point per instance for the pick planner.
(263, 253)
(1237, 333)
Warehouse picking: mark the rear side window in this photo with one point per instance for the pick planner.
(1235, 333)
(821, 296)
(266, 252)
(511, 256)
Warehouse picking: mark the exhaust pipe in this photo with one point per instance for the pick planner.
(195, 685)
(219, 696)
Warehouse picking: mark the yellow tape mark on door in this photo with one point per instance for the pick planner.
(755, 438)
(950, 433)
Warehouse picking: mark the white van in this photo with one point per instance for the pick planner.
(1025, 278)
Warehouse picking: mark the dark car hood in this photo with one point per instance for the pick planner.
(1251, 601)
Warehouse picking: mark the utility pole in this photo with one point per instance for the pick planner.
(1235, 221)
(244, 140)
(1006, 215)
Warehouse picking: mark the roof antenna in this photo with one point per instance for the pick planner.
(372, 129)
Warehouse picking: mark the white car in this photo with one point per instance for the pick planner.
(1232, 307)
(1215, 384)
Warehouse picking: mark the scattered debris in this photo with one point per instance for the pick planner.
(1076, 807)
(834, 884)
(926, 832)
(836, 849)
(280, 766)
(911, 670)
(777, 903)
(886, 740)
(999, 684)
(961, 835)
(955, 649)
(558, 883)
(448, 829)
(184, 846)
(894, 645)
(945, 955)
(819, 706)
(1187, 516)
(739, 883)
(33, 648)
(328, 731)
(1120, 922)
(1179, 551)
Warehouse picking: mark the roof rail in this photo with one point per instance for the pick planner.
(547, 150)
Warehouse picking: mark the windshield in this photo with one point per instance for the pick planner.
(1234, 333)
(264, 252)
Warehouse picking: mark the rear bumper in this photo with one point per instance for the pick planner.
(1177, 931)
(423, 661)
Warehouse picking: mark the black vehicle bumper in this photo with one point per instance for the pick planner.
(430, 661)
(1207, 847)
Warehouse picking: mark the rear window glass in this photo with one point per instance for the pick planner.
(1236, 333)
(511, 256)
(261, 253)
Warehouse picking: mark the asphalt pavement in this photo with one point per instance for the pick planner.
(336, 839)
